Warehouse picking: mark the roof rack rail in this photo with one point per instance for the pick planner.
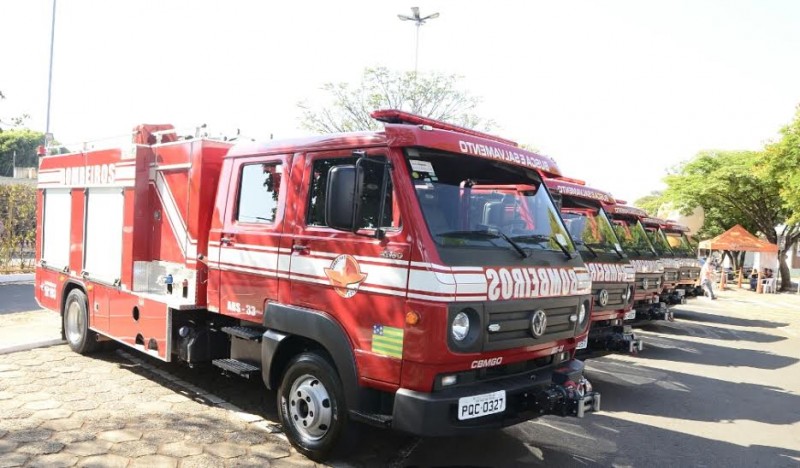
(395, 116)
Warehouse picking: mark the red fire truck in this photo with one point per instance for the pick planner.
(671, 294)
(689, 265)
(341, 269)
(648, 263)
(613, 276)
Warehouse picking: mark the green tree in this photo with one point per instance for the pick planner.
(783, 165)
(17, 226)
(732, 189)
(431, 95)
(24, 142)
(651, 203)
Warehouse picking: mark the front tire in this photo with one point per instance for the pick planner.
(79, 337)
(311, 406)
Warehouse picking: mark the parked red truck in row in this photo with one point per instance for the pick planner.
(365, 276)
(613, 275)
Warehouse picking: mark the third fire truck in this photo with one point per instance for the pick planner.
(648, 264)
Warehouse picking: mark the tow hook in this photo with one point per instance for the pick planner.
(570, 394)
(624, 340)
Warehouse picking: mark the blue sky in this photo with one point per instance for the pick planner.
(616, 91)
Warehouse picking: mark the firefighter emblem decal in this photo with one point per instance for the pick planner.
(538, 323)
(345, 276)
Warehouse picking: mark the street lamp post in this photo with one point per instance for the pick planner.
(50, 75)
(418, 21)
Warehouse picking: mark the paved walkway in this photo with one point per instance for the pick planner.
(113, 410)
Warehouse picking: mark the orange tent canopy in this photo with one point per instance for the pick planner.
(737, 238)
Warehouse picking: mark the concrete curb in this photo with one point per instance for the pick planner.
(29, 346)
(19, 278)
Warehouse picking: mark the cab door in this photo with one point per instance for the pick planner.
(358, 279)
(249, 241)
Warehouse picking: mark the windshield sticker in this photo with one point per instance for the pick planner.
(561, 239)
(487, 151)
(422, 166)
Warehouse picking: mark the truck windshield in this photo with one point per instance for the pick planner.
(632, 236)
(479, 204)
(656, 237)
(592, 229)
(680, 243)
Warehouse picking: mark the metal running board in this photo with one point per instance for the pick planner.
(380, 420)
(247, 333)
(239, 368)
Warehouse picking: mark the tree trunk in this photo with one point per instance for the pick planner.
(786, 274)
(786, 279)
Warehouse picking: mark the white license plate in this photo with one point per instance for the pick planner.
(583, 343)
(481, 405)
(630, 315)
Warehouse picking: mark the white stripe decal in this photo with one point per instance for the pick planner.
(187, 245)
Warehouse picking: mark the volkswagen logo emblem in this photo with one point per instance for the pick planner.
(602, 298)
(645, 283)
(538, 323)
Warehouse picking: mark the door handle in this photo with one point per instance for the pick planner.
(300, 248)
(226, 240)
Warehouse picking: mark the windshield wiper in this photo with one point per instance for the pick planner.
(619, 251)
(542, 237)
(487, 234)
(588, 247)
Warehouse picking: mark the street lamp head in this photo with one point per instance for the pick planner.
(415, 10)
(433, 16)
(405, 18)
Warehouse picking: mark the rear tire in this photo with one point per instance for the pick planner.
(79, 337)
(311, 407)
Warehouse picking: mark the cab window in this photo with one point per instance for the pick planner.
(370, 204)
(258, 193)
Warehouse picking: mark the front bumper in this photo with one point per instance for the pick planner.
(561, 391)
(656, 311)
(610, 339)
(674, 297)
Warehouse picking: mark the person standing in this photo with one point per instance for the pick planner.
(707, 279)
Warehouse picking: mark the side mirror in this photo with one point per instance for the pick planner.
(343, 200)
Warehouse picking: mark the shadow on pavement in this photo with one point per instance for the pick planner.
(677, 350)
(639, 389)
(603, 440)
(694, 316)
(707, 331)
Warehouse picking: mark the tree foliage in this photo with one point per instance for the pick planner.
(783, 166)
(24, 142)
(431, 95)
(17, 226)
(732, 188)
(651, 203)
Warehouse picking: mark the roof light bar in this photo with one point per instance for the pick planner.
(395, 116)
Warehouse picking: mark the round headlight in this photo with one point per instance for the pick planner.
(626, 294)
(460, 326)
(581, 313)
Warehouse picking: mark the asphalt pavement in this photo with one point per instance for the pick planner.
(17, 297)
(720, 386)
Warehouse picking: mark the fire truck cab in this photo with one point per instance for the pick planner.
(644, 258)
(689, 264)
(359, 275)
(671, 294)
(613, 276)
